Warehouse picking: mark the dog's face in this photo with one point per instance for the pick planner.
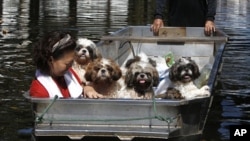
(86, 51)
(103, 70)
(184, 70)
(141, 76)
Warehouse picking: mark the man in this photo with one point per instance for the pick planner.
(186, 13)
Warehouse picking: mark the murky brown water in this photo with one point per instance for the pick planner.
(29, 19)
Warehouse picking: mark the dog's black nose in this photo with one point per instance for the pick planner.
(103, 71)
(142, 75)
(84, 51)
(186, 69)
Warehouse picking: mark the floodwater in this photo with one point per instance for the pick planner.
(27, 20)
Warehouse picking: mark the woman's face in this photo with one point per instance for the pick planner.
(60, 66)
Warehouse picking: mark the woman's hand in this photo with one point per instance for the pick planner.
(89, 92)
(157, 24)
(209, 27)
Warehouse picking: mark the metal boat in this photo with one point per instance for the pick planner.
(127, 119)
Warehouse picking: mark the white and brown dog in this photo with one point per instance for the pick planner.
(182, 74)
(102, 74)
(86, 52)
(140, 78)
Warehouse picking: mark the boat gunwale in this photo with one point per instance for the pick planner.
(217, 36)
(158, 101)
(164, 39)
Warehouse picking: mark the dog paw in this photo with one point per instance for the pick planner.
(206, 90)
(173, 93)
(206, 87)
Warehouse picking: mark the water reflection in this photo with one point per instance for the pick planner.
(100, 17)
(235, 14)
(25, 20)
(231, 102)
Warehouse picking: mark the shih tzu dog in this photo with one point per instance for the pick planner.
(140, 78)
(102, 74)
(182, 74)
(86, 52)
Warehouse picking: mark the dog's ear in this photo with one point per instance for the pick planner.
(92, 52)
(173, 72)
(129, 78)
(117, 73)
(152, 62)
(196, 70)
(131, 61)
(88, 73)
(155, 78)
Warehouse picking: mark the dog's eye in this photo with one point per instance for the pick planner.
(190, 66)
(148, 73)
(180, 68)
(137, 73)
(77, 48)
(110, 69)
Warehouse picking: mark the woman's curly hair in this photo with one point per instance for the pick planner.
(42, 51)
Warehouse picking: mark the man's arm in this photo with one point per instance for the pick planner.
(160, 5)
(211, 9)
(158, 16)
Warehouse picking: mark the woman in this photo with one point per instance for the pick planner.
(186, 13)
(53, 57)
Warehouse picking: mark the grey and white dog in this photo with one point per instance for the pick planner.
(140, 78)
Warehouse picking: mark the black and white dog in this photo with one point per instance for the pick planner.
(86, 52)
(182, 74)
